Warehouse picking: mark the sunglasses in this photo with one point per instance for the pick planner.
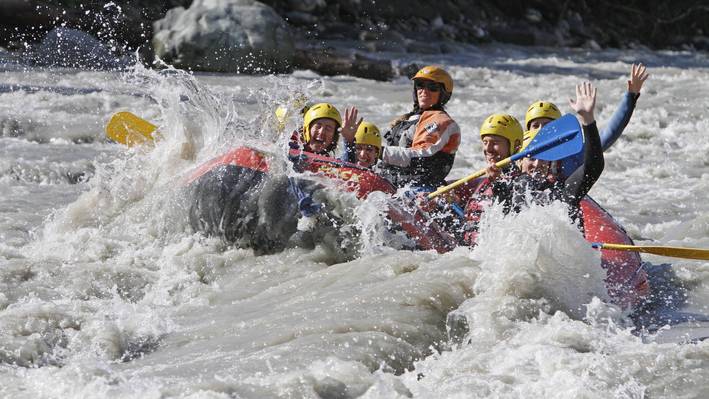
(430, 86)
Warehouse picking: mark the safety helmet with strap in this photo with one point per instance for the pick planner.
(368, 134)
(506, 126)
(438, 75)
(319, 111)
(541, 109)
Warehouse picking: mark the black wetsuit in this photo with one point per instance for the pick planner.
(521, 189)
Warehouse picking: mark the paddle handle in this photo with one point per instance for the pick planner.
(468, 178)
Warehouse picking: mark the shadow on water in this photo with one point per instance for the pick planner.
(663, 314)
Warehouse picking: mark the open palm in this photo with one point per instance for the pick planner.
(585, 102)
(638, 76)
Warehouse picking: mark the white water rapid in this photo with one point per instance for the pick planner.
(106, 292)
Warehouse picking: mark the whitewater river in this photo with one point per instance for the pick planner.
(106, 292)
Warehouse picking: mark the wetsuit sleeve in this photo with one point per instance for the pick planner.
(619, 120)
(580, 182)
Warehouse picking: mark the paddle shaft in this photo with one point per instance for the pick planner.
(466, 179)
(676, 252)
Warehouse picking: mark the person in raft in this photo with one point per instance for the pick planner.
(322, 126)
(421, 144)
(540, 113)
(366, 148)
(502, 137)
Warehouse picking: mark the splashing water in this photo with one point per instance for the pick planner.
(106, 291)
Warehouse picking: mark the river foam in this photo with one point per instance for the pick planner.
(106, 292)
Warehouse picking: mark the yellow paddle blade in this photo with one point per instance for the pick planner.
(677, 252)
(281, 117)
(130, 129)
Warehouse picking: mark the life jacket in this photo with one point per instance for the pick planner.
(396, 136)
(422, 149)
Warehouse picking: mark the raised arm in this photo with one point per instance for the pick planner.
(581, 181)
(621, 116)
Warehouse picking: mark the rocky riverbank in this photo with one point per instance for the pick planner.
(246, 36)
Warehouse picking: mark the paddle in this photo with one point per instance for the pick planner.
(557, 140)
(676, 252)
(130, 129)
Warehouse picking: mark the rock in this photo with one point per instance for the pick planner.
(542, 38)
(408, 70)
(331, 62)
(479, 33)
(577, 26)
(514, 35)
(390, 41)
(370, 68)
(307, 6)
(533, 15)
(592, 44)
(73, 48)
(225, 36)
(452, 48)
(415, 46)
(437, 23)
(369, 36)
(300, 18)
(701, 43)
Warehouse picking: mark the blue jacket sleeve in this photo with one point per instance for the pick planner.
(609, 134)
(619, 120)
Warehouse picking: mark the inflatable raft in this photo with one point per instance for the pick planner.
(235, 197)
(625, 277)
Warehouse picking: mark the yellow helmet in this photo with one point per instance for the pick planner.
(319, 111)
(368, 133)
(541, 109)
(438, 75)
(529, 135)
(506, 126)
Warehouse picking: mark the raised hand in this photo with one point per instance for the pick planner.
(585, 102)
(638, 76)
(350, 124)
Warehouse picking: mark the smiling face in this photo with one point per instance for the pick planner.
(427, 93)
(366, 155)
(495, 148)
(322, 135)
(535, 167)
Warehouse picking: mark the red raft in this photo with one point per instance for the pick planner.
(625, 277)
(224, 189)
(220, 185)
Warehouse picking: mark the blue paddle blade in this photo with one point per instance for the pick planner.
(557, 140)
